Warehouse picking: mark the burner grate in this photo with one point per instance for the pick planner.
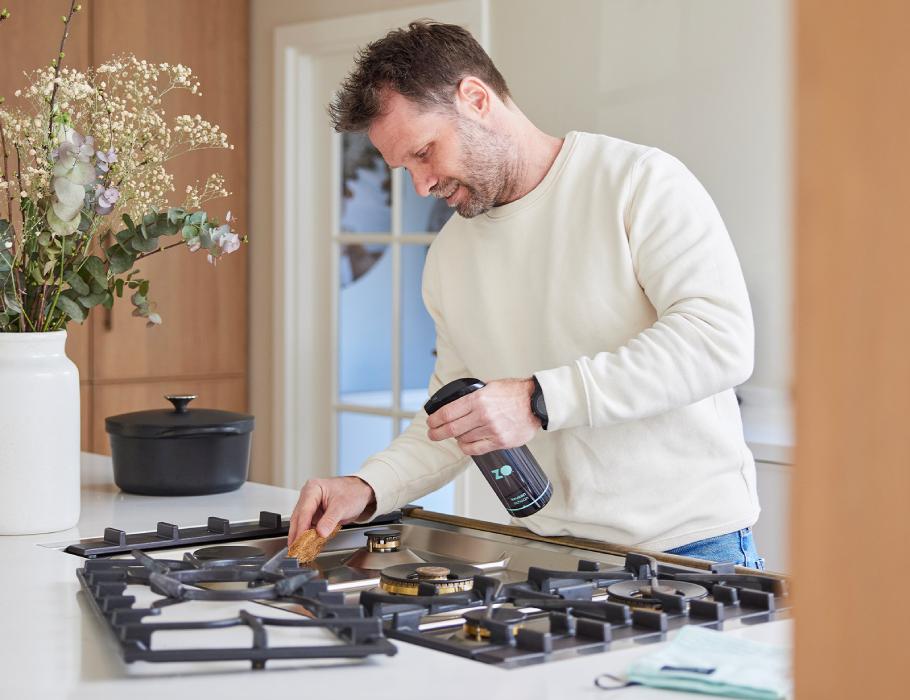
(279, 579)
(555, 614)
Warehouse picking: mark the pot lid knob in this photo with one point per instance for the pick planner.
(180, 401)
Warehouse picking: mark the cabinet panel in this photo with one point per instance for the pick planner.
(78, 343)
(112, 399)
(204, 308)
(31, 38)
(85, 418)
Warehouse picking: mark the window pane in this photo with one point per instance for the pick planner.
(366, 187)
(441, 500)
(365, 325)
(421, 214)
(418, 334)
(360, 435)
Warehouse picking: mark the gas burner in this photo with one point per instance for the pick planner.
(383, 550)
(477, 623)
(436, 579)
(231, 552)
(647, 594)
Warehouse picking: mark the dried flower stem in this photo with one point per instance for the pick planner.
(9, 192)
(57, 61)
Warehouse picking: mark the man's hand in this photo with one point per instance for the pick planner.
(327, 502)
(496, 417)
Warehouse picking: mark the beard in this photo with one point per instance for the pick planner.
(490, 171)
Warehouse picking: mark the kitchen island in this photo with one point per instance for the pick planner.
(53, 646)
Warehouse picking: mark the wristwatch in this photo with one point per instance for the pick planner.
(538, 405)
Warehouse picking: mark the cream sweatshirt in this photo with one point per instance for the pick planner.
(614, 281)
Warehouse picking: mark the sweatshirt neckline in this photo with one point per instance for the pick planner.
(504, 210)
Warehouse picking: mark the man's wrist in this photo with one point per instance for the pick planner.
(538, 404)
(370, 507)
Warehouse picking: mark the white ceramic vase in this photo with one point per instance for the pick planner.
(39, 434)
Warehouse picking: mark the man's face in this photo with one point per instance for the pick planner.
(449, 154)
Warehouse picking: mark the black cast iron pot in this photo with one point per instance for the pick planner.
(180, 452)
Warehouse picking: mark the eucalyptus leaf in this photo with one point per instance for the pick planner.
(10, 301)
(164, 227)
(125, 235)
(197, 218)
(118, 286)
(120, 259)
(175, 214)
(129, 222)
(78, 284)
(91, 300)
(94, 266)
(147, 246)
(35, 274)
(108, 302)
(71, 308)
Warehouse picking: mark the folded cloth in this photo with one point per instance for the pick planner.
(704, 661)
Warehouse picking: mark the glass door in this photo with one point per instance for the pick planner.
(383, 337)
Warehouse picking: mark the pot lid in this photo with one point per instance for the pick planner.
(179, 421)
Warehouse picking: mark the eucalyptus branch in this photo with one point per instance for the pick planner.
(57, 61)
(159, 250)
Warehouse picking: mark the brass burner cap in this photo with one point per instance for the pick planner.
(432, 573)
(408, 578)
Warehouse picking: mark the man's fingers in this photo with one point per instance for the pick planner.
(480, 433)
(327, 522)
(311, 496)
(456, 428)
(480, 447)
(450, 412)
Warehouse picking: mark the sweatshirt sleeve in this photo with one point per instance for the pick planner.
(413, 465)
(702, 340)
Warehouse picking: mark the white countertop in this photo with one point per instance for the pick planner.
(52, 646)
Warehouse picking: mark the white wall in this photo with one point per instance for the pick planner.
(706, 80)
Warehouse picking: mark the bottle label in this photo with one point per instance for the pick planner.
(502, 472)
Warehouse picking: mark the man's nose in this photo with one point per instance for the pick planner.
(423, 183)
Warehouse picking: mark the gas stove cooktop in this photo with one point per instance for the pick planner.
(228, 592)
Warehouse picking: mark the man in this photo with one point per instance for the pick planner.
(590, 282)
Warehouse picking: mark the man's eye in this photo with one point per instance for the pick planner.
(423, 153)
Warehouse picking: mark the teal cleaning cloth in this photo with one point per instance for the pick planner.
(704, 661)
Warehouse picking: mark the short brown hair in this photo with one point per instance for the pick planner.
(424, 63)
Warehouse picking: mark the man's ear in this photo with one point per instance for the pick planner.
(473, 96)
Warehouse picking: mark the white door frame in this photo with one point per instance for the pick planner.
(302, 393)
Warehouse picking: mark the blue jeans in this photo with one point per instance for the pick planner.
(737, 547)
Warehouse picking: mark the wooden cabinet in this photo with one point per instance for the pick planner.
(201, 346)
